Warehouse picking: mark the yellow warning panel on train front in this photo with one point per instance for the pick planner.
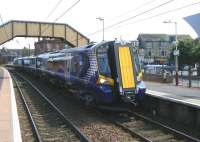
(126, 67)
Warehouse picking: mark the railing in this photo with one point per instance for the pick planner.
(183, 78)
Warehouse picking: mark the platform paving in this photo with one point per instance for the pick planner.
(189, 96)
(9, 123)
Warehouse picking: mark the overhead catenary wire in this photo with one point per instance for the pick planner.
(132, 10)
(158, 6)
(132, 17)
(157, 15)
(60, 16)
(67, 11)
(54, 8)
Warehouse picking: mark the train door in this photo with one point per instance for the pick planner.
(125, 70)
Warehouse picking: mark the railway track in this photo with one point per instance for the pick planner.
(150, 130)
(27, 131)
(94, 125)
(47, 121)
(145, 129)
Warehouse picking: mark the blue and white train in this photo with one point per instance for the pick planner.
(106, 72)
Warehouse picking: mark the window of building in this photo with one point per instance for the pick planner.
(149, 53)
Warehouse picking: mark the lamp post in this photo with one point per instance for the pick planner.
(102, 19)
(176, 52)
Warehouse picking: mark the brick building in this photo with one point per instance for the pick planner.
(48, 45)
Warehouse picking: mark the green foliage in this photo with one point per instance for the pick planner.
(171, 58)
(189, 54)
(189, 50)
(25, 52)
(196, 50)
(186, 50)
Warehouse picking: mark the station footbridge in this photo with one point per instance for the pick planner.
(15, 28)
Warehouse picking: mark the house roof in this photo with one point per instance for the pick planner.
(161, 37)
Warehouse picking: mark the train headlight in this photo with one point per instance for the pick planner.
(139, 77)
(105, 80)
(102, 81)
(141, 88)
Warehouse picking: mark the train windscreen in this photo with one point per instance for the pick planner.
(102, 59)
(136, 61)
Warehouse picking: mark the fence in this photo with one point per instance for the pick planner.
(183, 78)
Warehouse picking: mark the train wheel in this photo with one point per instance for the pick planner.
(89, 100)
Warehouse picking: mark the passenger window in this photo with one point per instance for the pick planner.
(79, 64)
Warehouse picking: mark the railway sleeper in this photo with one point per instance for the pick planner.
(162, 138)
(149, 132)
(134, 124)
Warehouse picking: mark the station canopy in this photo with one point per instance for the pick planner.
(194, 21)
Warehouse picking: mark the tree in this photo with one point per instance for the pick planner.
(186, 49)
(187, 55)
(25, 52)
(197, 54)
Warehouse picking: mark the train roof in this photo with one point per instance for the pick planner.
(61, 58)
(62, 52)
(85, 47)
(82, 48)
(26, 57)
(29, 57)
(44, 55)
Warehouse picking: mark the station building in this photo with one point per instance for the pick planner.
(156, 48)
(7, 55)
(48, 45)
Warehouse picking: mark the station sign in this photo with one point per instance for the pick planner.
(176, 52)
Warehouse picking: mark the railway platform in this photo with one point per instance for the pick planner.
(9, 123)
(179, 94)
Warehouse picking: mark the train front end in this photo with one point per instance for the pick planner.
(120, 72)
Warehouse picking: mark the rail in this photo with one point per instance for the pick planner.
(75, 129)
(33, 124)
(148, 126)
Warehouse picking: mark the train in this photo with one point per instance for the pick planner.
(100, 73)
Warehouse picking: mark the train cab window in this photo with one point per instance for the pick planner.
(136, 61)
(102, 59)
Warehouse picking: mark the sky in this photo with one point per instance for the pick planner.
(123, 19)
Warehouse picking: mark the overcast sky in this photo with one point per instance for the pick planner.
(83, 16)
